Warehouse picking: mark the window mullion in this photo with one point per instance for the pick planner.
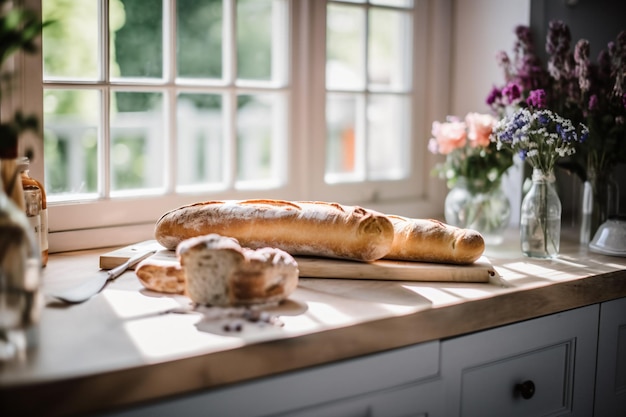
(170, 99)
(363, 122)
(104, 154)
(229, 99)
(229, 42)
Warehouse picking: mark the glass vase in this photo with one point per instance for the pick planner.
(540, 220)
(600, 200)
(20, 280)
(472, 205)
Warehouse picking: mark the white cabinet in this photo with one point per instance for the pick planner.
(539, 367)
(373, 385)
(611, 366)
(422, 399)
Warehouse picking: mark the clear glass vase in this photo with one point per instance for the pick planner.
(540, 221)
(600, 200)
(472, 205)
(20, 280)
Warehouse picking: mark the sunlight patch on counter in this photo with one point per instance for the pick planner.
(326, 314)
(175, 335)
(468, 293)
(129, 304)
(539, 271)
(436, 296)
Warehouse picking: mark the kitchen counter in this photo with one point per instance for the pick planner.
(128, 345)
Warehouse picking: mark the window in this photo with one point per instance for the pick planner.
(151, 104)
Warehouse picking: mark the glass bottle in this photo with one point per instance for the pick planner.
(32, 201)
(20, 280)
(30, 182)
(600, 201)
(540, 222)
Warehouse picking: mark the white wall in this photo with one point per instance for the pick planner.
(481, 28)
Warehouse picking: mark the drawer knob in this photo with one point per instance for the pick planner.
(526, 389)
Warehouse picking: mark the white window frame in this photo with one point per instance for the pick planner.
(116, 222)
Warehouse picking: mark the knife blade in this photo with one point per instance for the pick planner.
(95, 284)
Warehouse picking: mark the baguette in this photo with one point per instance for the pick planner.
(427, 240)
(299, 228)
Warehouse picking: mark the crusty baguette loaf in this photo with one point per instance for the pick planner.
(429, 240)
(161, 276)
(219, 272)
(299, 228)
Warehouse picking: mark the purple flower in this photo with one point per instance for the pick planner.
(522, 154)
(581, 57)
(537, 99)
(524, 35)
(512, 92)
(502, 58)
(558, 46)
(494, 96)
(593, 103)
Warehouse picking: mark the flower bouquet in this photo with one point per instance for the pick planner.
(593, 93)
(540, 137)
(473, 171)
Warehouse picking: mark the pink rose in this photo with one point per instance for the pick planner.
(479, 128)
(449, 135)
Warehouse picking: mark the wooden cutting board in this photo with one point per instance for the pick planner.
(480, 271)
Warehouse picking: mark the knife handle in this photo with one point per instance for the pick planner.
(118, 270)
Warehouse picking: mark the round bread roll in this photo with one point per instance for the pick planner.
(300, 228)
(428, 240)
(219, 272)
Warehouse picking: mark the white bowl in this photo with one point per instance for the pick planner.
(610, 239)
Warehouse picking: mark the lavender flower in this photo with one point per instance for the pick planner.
(618, 63)
(581, 57)
(558, 45)
(593, 103)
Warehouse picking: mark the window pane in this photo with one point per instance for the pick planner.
(254, 39)
(136, 38)
(344, 136)
(393, 3)
(137, 135)
(260, 137)
(199, 38)
(388, 132)
(200, 135)
(71, 130)
(389, 49)
(70, 46)
(345, 58)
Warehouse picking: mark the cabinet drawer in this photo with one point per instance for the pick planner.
(535, 383)
(491, 373)
(423, 399)
(311, 387)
